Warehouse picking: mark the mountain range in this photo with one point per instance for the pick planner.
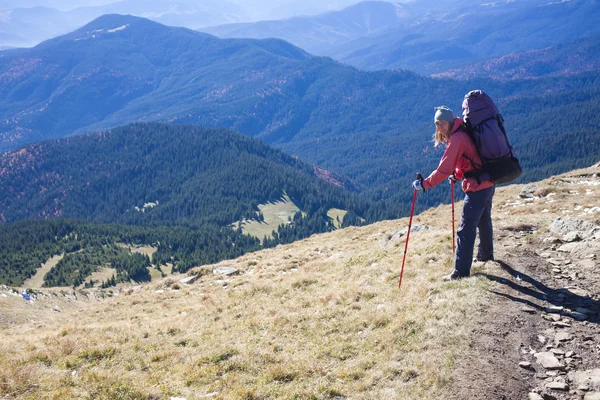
(27, 23)
(317, 34)
(372, 127)
(420, 37)
(27, 26)
(564, 59)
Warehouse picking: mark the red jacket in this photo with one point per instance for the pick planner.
(453, 161)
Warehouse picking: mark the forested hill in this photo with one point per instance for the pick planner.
(157, 174)
(561, 60)
(373, 127)
(176, 188)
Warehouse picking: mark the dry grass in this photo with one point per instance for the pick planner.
(37, 281)
(100, 276)
(274, 214)
(337, 216)
(317, 319)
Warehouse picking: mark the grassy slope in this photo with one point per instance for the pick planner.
(318, 318)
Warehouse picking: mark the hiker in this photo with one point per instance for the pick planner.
(456, 161)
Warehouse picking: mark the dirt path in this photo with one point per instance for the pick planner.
(539, 338)
(37, 281)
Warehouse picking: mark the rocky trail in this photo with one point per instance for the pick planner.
(540, 337)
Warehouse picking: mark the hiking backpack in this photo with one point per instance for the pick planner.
(485, 126)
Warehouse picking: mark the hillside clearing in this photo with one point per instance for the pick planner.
(275, 214)
(37, 281)
(337, 216)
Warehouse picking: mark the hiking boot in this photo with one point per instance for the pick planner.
(454, 276)
(483, 259)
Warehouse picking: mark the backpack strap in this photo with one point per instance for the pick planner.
(477, 170)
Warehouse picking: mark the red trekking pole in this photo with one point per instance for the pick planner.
(453, 234)
(412, 211)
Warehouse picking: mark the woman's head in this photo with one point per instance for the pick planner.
(443, 118)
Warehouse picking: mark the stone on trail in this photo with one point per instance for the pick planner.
(189, 280)
(571, 237)
(563, 337)
(577, 291)
(225, 271)
(528, 191)
(548, 360)
(578, 316)
(592, 396)
(542, 339)
(564, 226)
(591, 378)
(561, 324)
(535, 396)
(525, 364)
(557, 386)
(584, 310)
(573, 247)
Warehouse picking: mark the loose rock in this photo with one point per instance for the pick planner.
(548, 360)
(525, 364)
(591, 378)
(557, 386)
(225, 271)
(563, 337)
(190, 279)
(578, 316)
(561, 324)
(528, 191)
(571, 237)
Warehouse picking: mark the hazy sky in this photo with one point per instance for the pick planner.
(254, 8)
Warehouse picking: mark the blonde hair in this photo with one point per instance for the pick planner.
(439, 136)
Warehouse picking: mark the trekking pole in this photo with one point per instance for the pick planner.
(453, 234)
(412, 211)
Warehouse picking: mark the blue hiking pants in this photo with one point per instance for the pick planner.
(476, 215)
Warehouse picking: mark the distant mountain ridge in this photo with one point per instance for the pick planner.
(316, 34)
(372, 127)
(28, 26)
(431, 39)
(564, 59)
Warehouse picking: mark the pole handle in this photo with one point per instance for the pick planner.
(420, 177)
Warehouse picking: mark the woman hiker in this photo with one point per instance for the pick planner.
(477, 208)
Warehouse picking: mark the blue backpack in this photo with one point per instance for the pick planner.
(485, 126)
